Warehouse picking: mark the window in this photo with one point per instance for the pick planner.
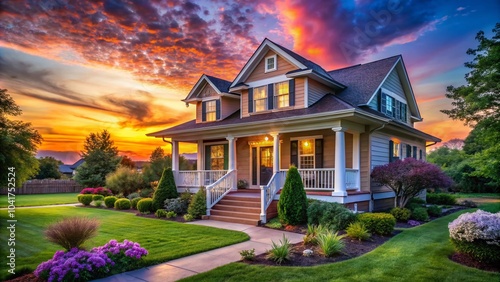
(281, 94)
(306, 153)
(394, 108)
(260, 99)
(394, 151)
(390, 107)
(271, 63)
(217, 157)
(211, 111)
(402, 112)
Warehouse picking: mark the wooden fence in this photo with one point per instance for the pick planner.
(46, 186)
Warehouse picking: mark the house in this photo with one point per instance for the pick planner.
(70, 170)
(283, 109)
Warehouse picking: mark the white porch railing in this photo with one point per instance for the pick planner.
(268, 191)
(197, 178)
(217, 190)
(323, 179)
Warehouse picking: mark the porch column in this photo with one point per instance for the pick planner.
(340, 187)
(199, 156)
(276, 152)
(175, 155)
(232, 153)
(356, 158)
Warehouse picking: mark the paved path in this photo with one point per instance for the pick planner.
(260, 240)
(47, 206)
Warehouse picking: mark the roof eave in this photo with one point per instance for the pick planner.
(312, 74)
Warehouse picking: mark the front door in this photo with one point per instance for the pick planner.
(266, 164)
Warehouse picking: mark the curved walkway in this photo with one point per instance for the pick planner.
(260, 240)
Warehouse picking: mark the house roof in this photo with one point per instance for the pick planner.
(77, 164)
(65, 169)
(363, 79)
(221, 84)
(329, 103)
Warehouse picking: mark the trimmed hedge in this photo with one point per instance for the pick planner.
(110, 201)
(479, 249)
(401, 214)
(420, 214)
(97, 198)
(85, 199)
(434, 210)
(134, 201)
(441, 199)
(145, 205)
(379, 223)
(122, 204)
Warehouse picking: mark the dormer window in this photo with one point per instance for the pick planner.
(393, 108)
(211, 110)
(271, 63)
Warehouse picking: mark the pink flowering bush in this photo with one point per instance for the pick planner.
(97, 191)
(478, 235)
(81, 265)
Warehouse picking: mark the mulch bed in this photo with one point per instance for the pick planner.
(26, 278)
(467, 260)
(353, 248)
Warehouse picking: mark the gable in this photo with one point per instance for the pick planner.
(207, 91)
(393, 84)
(283, 66)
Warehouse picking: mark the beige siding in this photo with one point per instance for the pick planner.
(228, 106)
(243, 161)
(348, 150)
(299, 92)
(328, 147)
(198, 112)
(316, 91)
(365, 161)
(259, 72)
(244, 103)
(383, 204)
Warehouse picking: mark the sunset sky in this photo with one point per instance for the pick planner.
(77, 67)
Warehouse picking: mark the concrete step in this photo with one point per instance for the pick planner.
(237, 208)
(241, 215)
(238, 203)
(253, 222)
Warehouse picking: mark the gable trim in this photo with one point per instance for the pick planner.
(189, 97)
(258, 55)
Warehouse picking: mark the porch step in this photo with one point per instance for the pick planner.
(253, 222)
(238, 208)
(235, 197)
(226, 213)
(239, 202)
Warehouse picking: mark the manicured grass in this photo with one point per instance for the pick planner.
(40, 199)
(478, 195)
(165, 240)
(417, 254)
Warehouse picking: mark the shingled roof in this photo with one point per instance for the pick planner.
(363, 80)
(221, 84)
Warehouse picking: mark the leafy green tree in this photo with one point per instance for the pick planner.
(124, 180)
(292, 205)
(158, 161)
(127, 161)
(18, 142)
(101, 158)
(49, 168)
(166, 189)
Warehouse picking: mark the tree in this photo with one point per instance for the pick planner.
(124, 180)
(18, 142)
(480, 99)
(158, 161)
(101, 158)
(407, 178)
(166, 189)
(49, 168)
(454, 143)
(128, 162)
(292, 205)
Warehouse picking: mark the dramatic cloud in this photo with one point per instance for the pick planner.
(163, 42)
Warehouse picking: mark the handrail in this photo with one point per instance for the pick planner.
(217, 190)
(267, 192)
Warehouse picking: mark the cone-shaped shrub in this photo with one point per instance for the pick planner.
(166, 189)
(198, 206)
(292, 206)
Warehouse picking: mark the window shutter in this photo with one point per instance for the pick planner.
(420, 154)
(217, 109)
(208, 161)
(254, 166)
(391, 151)
(398, 107)
(250, 100)
(226, 156)
(408, 151)
(203, 111)
(291, 89)
(294, 153)
(383, 103)
(415, 152)
(318, 153)
(270, 96)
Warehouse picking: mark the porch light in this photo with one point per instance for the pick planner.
(306, 144)
(266, 138)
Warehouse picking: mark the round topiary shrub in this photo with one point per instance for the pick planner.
(122, 204)
(401, 214)
(86, 199)
(379, 223)
(292, 205)
(134, 201)
(420, 214)
(198, 206)
(145, 205)
(477, 234)
(434, 210)
(97, 197)
(79, 197)
(110, 201)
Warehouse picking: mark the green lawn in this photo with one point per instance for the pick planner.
(165, 240)
(478, 195)
(40, 199)
(417, 254)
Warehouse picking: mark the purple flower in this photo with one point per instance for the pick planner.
(413, 223)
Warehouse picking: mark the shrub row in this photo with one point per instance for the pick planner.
(441, 199)
(378, 223)
(330, 215)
